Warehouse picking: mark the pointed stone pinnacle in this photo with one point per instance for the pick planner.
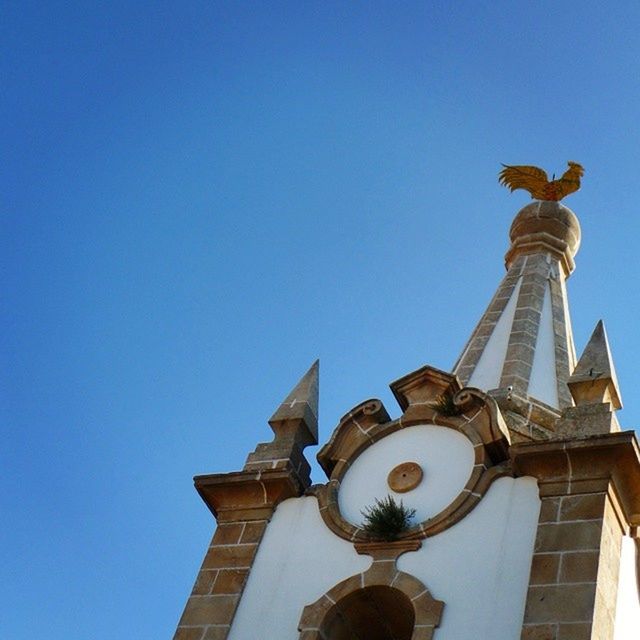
(301, 405)
(594, 379)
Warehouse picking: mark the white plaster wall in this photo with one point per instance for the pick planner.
(542, 382)
(480, 567)
(573, 360)
(298, 560)
(446, 458)
(488, 371)
(627, 625)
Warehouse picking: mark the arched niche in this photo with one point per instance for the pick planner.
(382, 603)
(371, 613)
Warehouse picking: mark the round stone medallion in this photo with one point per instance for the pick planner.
(405, 477)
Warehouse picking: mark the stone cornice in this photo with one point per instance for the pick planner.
(246, 494)
(585, 465)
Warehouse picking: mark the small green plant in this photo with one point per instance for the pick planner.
(445, 405)
(387, 519)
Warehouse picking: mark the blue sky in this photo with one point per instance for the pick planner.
(201, 198)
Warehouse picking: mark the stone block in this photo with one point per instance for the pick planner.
(408, 585)
(227, 534)
(190, 633)
(539, 632)
(253, 531)
(579, 567)
(575, 631)
(560, 603)
(204, 582)
(216, 633)
(523, 339)
(314, 613)
(569, 536)
(242, 515)
(553, 488)
(544, 568)
(583, 507)
(520, 351)
(532, 292)
(205, 610)
(230, 581)
(231, 557)
(380, 572)
(528, 314)
(549, 510)
(428, 611)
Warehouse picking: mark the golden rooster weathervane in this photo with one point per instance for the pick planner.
(535, 181)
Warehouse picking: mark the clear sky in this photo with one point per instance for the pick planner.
(201, 198)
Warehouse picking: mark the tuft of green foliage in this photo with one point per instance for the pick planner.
(387, 519)
(445, 405)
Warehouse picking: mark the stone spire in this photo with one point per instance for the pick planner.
(524, 341)
(295, 424)
(301, 406)
(594, 387)
(594, 379)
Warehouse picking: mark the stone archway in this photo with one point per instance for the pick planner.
(382, 603)
(370, 613)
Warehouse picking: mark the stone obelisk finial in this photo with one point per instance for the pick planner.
(299, 410)
(295, 425)
(594, 379)
(594, 387)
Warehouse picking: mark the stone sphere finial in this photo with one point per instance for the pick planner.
(545, 226)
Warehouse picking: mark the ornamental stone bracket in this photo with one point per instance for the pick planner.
(471, 412)
(402, 599)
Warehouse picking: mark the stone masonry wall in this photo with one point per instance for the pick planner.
(574, 573)
(220, 582)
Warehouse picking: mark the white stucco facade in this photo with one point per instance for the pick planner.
(543, 384)
(627, 625)
(488, 371)
(298, 560)
(479, 567)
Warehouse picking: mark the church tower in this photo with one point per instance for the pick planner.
(525, 491)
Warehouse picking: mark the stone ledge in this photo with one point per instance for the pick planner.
(238, 495)
(585, 465)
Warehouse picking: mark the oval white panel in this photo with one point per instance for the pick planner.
(446, 458)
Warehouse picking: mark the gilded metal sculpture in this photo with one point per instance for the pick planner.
(535, 181)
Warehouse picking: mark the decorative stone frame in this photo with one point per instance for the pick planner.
(479, 419)
(382, 573)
